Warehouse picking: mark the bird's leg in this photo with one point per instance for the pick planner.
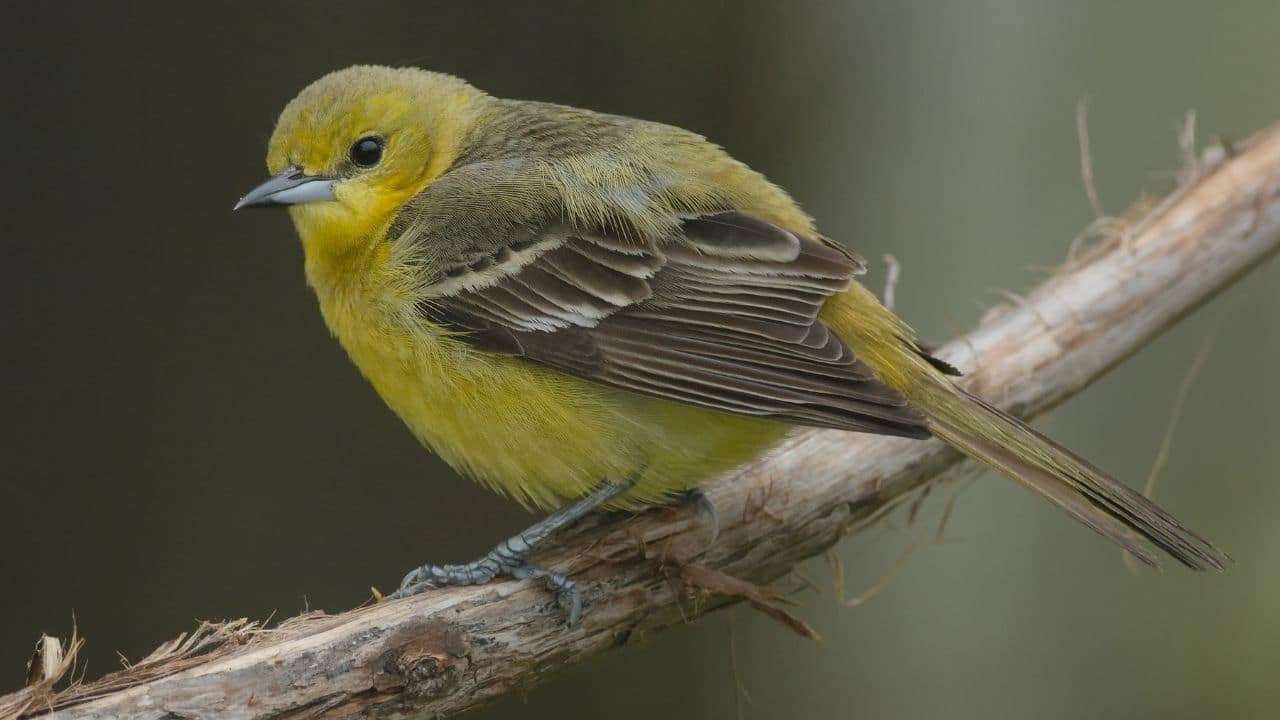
(704, 507)
(510, 557)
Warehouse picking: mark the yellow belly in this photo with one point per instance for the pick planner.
(537, 435)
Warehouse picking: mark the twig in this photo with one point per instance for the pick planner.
(450, 650)
(837, 574)
(1166, 443)
(893, 270)
(1187, 145)
(1086, 159)
(1184, 389)
(740, 694)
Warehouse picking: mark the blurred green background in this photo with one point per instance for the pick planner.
(182, 440)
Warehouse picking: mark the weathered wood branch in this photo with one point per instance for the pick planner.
(450, 650)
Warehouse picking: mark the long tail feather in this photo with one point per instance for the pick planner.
(1114, 510)
(993, 437)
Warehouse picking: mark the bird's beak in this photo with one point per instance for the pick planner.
(289, 187)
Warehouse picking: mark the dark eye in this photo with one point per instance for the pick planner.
(366, 152)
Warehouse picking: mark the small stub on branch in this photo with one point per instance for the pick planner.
(49, 664)
(46, 661)
(766, 600)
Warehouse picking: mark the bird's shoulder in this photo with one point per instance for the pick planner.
(531, 165)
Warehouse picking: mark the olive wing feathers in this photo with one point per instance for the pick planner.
(722, 314)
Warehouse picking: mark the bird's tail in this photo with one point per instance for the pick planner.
(1006, 444)
(1116, 511)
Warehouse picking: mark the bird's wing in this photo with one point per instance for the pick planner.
(722, 314)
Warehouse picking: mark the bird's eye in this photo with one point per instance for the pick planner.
(366, 152)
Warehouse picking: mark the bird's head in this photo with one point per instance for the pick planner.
(353, 146)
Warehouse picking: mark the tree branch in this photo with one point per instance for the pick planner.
(450, 650)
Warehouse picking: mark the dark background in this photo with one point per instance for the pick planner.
(183, 441)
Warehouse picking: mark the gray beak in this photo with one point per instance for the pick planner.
(289, 187)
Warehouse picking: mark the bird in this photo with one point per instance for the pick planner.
(582, 310)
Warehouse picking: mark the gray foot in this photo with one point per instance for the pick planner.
(510, 558)
(505, 560)
(697, 499)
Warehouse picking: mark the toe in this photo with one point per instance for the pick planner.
(414, 577)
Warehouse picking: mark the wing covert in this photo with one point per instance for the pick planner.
(723, 315)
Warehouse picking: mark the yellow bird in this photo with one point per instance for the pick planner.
(582, 310)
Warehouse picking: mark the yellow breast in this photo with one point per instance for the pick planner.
(534, 434)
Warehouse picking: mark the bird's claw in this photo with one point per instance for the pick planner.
(510, 558)
(430, 577)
